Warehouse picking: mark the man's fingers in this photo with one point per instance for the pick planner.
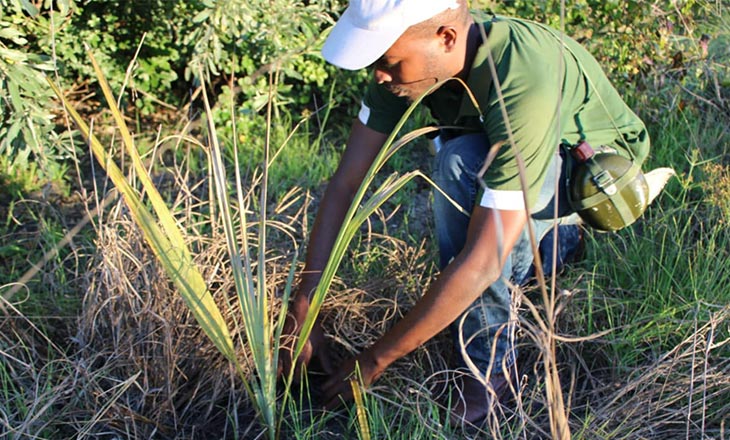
(325, 361)
(320, 349)
(337, 392)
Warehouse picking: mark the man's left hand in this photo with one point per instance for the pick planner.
(338, 390)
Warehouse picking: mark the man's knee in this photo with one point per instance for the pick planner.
(460, 158)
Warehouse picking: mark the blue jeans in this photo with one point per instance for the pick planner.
(487, 327)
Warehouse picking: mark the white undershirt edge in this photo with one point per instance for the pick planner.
(364, 114)
(502, 200)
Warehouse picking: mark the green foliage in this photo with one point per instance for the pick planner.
(627, 37)
(644, 46)
(249, 39)
(31, 154)
(653, 303)
(116, 31)
(236, 42)
(239, 41)
(306, 151)
(255, 43)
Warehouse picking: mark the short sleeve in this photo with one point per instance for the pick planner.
(532, 104)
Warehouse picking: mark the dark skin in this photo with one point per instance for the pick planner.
(462, 281)
(362, 147)
(408, 68)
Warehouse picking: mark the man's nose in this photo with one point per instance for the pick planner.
(382, 76)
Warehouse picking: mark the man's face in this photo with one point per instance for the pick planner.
(412, 65)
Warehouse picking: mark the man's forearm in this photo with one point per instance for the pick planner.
(362, 147)
(476, 267)
(327, 224)
(447, 298)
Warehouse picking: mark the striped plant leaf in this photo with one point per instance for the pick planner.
(165, 239)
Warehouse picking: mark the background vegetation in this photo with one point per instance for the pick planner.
(95, 341)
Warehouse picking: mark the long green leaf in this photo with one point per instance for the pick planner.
(262, 333)
(174, 257)
(167, 221)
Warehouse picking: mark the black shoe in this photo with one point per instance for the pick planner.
(472, 402)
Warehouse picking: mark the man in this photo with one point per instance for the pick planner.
(552, 95)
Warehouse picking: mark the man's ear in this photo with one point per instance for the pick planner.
(448, 36)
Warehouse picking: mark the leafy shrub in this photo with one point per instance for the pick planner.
(30, 152)
(246, 45)
(652, 51)
(118, 31)
(236, 44)
(173, 40)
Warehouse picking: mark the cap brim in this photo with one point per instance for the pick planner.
(352, 48)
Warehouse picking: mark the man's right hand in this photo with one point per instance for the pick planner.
(315, 347)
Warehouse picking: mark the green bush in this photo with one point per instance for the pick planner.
(236, 44)
(644, 46)
(31, 153)
(151, 33)
(173, 40)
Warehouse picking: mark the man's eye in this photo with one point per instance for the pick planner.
(385, 65)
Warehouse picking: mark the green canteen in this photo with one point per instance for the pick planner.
(608, 191)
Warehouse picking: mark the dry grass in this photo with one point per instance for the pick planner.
(34, 375)
(140, 367)
(136, 327)
(684, 394)
(137, 365)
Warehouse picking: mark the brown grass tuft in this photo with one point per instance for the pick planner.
(137, 337)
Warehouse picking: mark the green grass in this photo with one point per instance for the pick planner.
(651, 283)
(653, 286)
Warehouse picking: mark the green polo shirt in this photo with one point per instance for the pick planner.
(552, 96)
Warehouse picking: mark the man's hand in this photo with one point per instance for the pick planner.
(315, 347)
(338, 389)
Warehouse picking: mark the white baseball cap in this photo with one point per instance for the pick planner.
(368, 28)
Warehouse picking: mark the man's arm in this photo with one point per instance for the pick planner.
(475, 268)
(362, 147)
